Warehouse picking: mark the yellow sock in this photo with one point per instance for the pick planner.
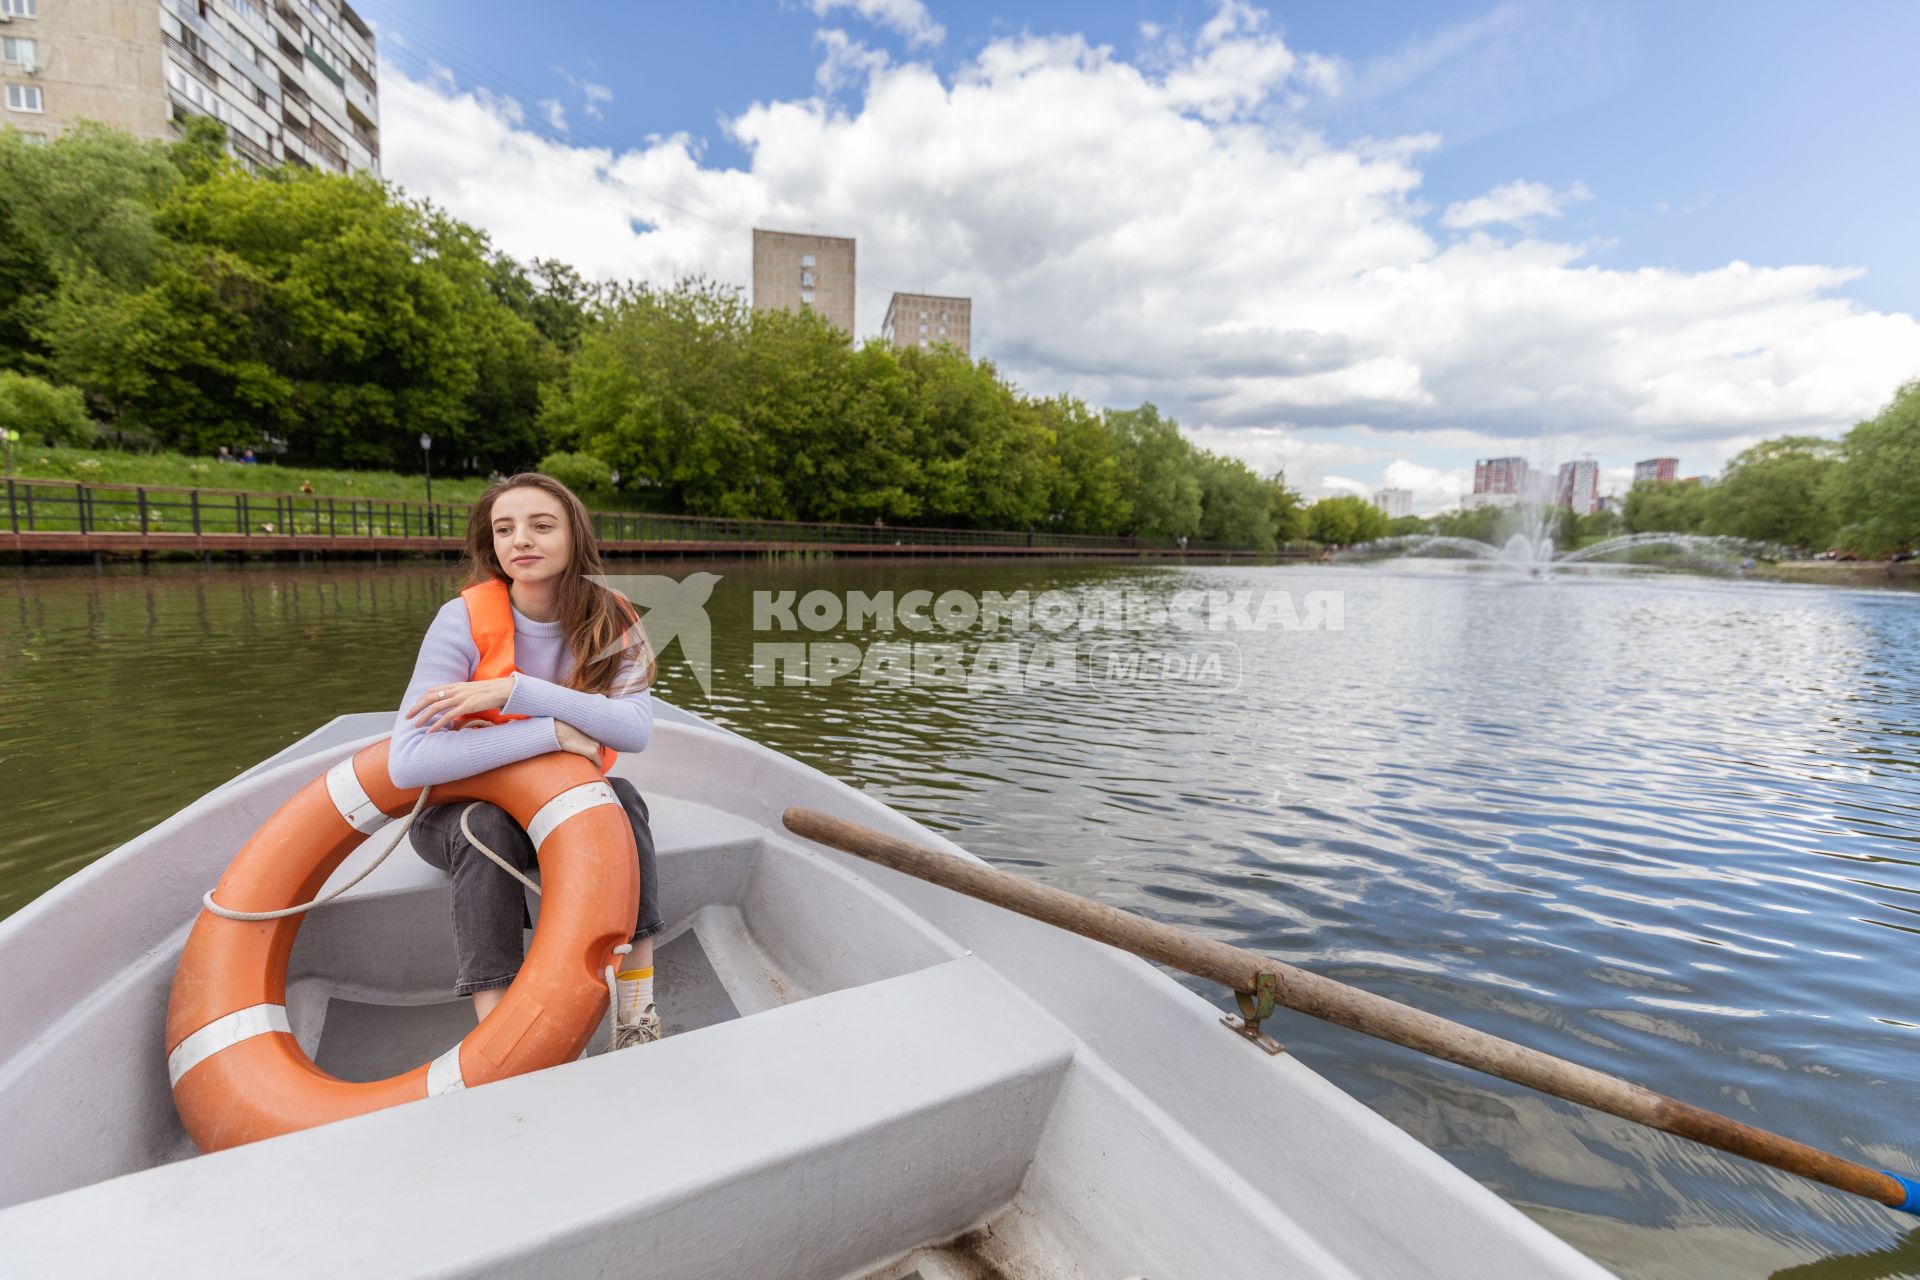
(635, 990)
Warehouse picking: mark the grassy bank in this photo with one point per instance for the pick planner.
(105, 466)
(1845, 573)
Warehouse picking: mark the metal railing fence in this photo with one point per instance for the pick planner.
(35, 505)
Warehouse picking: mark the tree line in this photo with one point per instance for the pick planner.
(159, 295)
(1860, 493)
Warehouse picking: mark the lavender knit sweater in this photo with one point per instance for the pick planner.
(447, 655)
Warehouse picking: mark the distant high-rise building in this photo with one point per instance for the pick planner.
(1394, 502)
(792, 270)
(1656, 469)
(927, 320)
(1579, 486)
(1500, 475)
(294, 81)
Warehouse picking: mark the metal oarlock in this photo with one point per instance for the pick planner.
(1256, 1007)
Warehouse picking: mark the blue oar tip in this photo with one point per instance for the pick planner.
(1912, 1203)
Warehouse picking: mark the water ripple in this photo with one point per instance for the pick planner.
(1668, 827)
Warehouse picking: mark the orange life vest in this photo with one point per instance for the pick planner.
(490, 615)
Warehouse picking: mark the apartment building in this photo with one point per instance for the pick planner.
(1499, 482)
(792, 270)
(294, 81)
(1656, 469)
(1394, 503)
(1578, 486)
(1500, 475)
(927, 320)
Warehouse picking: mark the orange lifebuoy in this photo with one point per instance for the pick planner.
(238, 1076)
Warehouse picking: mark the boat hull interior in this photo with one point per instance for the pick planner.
(864, 1076)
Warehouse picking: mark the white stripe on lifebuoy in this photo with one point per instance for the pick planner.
(443, 1074)
(573, 800)
(224, 1033)
(351, 799)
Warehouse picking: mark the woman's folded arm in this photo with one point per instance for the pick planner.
(416, 758)
(623, 722)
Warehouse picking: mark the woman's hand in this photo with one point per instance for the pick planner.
(442, 704)
(571, 739)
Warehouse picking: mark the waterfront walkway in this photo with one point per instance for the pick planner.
(66, 518)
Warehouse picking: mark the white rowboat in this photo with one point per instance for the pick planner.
(865, 1076)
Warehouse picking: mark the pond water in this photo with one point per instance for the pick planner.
(1661, 825)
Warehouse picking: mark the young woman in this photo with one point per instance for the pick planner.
(532, 657)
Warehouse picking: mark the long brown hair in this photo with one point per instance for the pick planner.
(603, 630)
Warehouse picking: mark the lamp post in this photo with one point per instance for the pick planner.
(426, 458)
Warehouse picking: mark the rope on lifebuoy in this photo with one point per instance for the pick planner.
(481, 845)
(399, 829)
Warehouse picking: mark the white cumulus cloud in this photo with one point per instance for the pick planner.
(596, 95)
(845, 62)
(1166, 227)
(908, 17)
(1433, 488)
(1514, 203)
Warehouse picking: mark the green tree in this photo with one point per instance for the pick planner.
(201, 152)
(1481, 524)
(1236, 505)
(1286, 510)
(42, 412)
(1345, 521)
(173, 358)
(792, 387)
(26, 282)
(79, 207)
(1772, 492)
(1085, 472)
(1158, 473)
(1666, 506)
(655, 390)
(1607, 523)
(1569, 530)
(548, 294)
(85, 202)
(316, 309)
(1563, 526)
(866, 466)
(727, 411)
(1874, 491)
(580, 472)
(983, 461)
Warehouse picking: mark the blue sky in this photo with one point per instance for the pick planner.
(1668, 136)
(1772, 132)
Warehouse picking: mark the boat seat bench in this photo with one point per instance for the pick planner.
(811, 1140)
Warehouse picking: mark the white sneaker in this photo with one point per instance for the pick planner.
(644, 1029)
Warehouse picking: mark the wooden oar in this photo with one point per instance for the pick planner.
(1254, 978)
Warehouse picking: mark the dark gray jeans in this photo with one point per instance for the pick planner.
(490, 906)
